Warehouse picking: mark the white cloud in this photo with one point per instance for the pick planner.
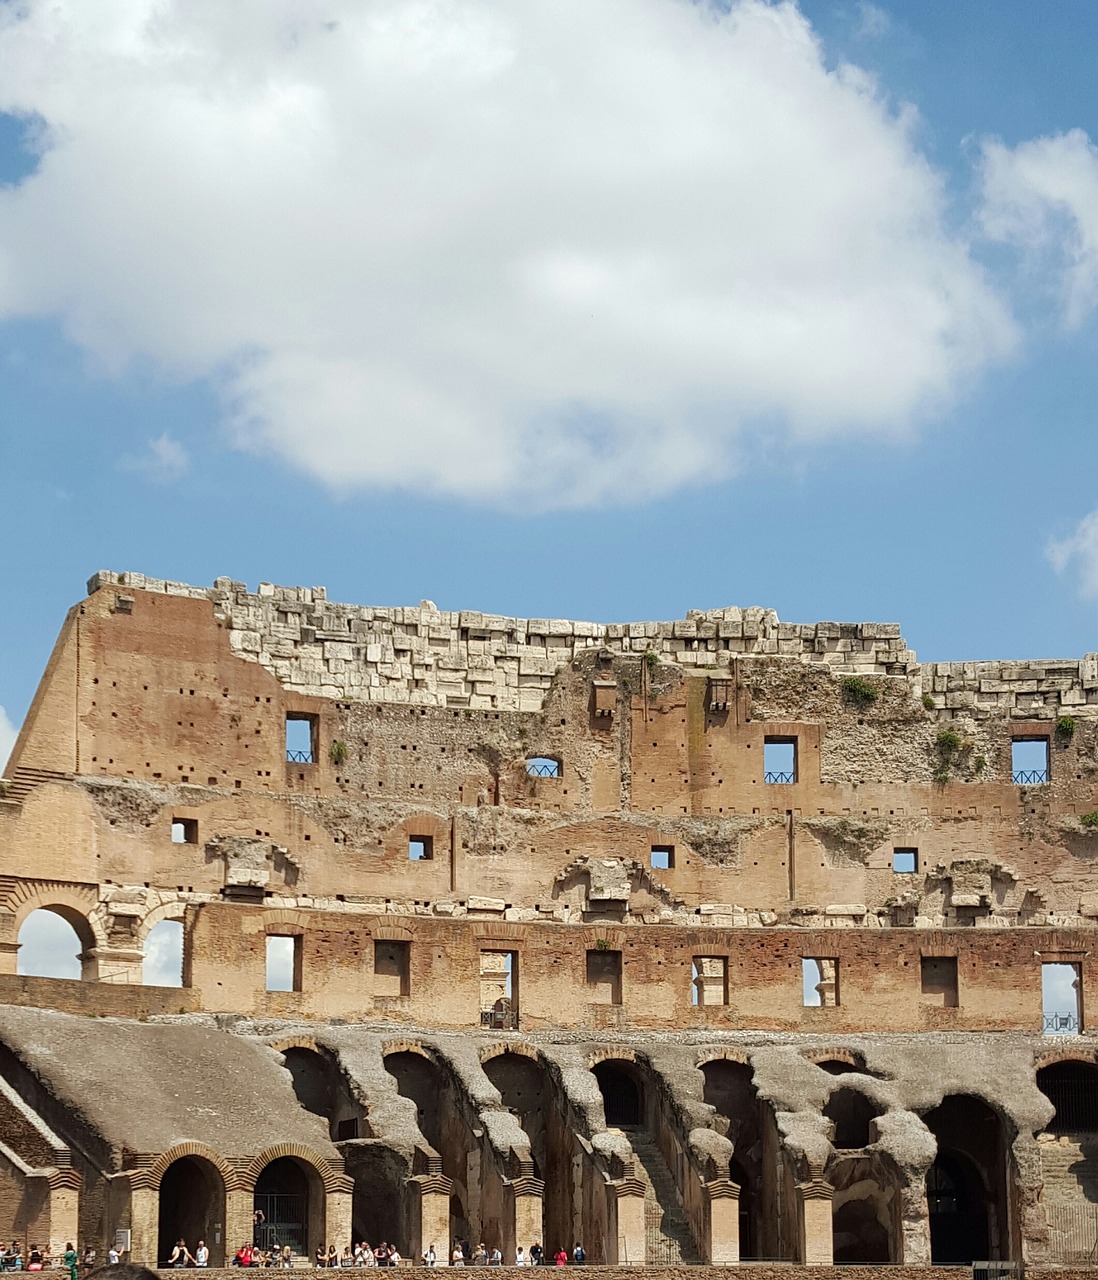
(8, 734)
(163, 461)
(873, 22)
(1079, 550)
(163, 965)
(560, 252)
(1042, 196)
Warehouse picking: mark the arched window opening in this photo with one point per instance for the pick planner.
(192, 1208)
(163, 966)
(851, 1111)
(52, 941)
(1072, 1088)
(858, 1234)
(543, 767)
(967, 1186)
(622, 1094)
(285, 1207)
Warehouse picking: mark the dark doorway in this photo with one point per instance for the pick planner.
(622, 1097)
(858, 1234)
(1072, 1088)
(957, 1206)
(850, 1111)
(730, 1090)
(192, 1208)
(282, 1197)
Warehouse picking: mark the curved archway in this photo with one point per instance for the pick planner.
(56, 941)
(422, 1081)
(851, 1112)
(730, 1089)
(858, 1234)
(289, 1194)
(192, 1207)
(967, 1191)
(622, 1092)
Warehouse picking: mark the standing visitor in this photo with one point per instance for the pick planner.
(429, 1256)
(202, 1255)
(68, 1259)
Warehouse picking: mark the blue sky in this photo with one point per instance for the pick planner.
(593, 309)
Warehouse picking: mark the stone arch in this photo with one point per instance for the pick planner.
(618, 1052)
(76, 904)
(968, 1191)
(332, 1178)
(1054, 1056)
(229, 1175)
(623, 1088)
(191, 1189)
(166, 911)
(289, 1188)
(723, 1055)
(492, 1050)
(287, 921)
(835, 1060)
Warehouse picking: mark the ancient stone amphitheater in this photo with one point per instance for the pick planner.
(716, 941)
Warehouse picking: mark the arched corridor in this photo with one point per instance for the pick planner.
(192, 1207)
(967, 1189)
(622, 1093)
(730, 1090)
(290, 1196)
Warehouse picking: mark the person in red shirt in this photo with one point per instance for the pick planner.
(561, 1257)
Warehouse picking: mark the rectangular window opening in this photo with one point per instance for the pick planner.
(662, 857)
(347, 1129)
(709, 981)
(283, 962)
(301, 737)
(392, 968)
(184, 831)
(1062, 998)
(604, 976)
(819, 982)
(1029, 761)
(421, 848)
(543, 767)
(938, 981)
(905, 861)
(780, 759)
(499, 989)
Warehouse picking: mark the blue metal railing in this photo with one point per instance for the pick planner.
(543, 768)
(778, 777)
(299, 757)
(1030, 777)
(1061, 1024)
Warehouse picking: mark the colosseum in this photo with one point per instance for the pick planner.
(721, 941)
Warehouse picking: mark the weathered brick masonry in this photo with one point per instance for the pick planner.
(721, 939)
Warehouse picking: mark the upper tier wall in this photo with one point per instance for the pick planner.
(422, 655)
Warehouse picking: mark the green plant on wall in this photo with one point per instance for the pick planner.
(651, 661)
(951, 752)
(858, 691)
(1065, 726)
(337, 752)
(928, 702)
(1089, 819)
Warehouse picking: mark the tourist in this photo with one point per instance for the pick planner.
(536, 1254)
(287, 1257)
(480, 1256)
(202, 1255)
(113, 1256)
(69, 1259)
(381, 1254)
(321, 1256)
(520, 1257)
(579, 1254)
(88, 1260)
(394, 1256)
(367, 1258)
(429, 1256)
(181, 1255)
(332, 1259)
(457, 1257)
(561, 1257)
(495, 1258)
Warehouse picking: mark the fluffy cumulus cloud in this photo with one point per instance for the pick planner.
(560, 252)
(1042, 196)
(1079, 552)
(8, 735)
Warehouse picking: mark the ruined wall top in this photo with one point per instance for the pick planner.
(425, 656)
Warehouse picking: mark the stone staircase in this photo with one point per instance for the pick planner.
(668, 1239)
(24, 779)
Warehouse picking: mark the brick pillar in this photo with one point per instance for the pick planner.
(431, 1216)
(337, 1216)
(817, 1236)
(144, 1224)
(239, 1207)
(722, 1248)
(64, 1187)
(625, 1216)
(524, 1200)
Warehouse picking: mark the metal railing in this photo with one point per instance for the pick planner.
(779, 777)
(1072, 1232)
(1061, 1024)
(543, 768)
(299, 757)
(1030, 777)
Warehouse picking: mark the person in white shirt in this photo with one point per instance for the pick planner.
(520, 1257)
(202, 1255)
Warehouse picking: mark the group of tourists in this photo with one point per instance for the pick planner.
(359, 1255)
(13, 1258)
(181, 1256)
(462, 1256)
